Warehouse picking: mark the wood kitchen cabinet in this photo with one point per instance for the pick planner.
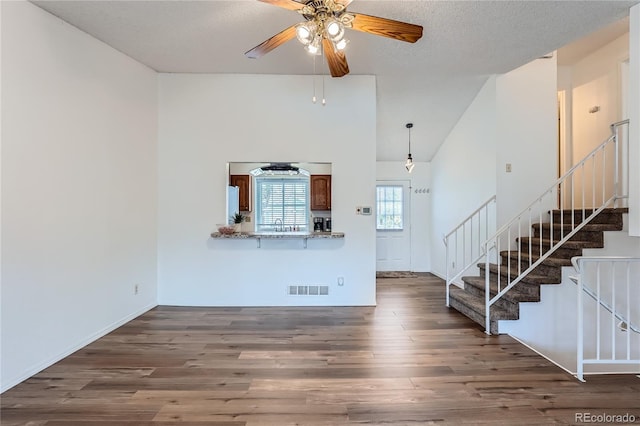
(243, 182)
(320, 192)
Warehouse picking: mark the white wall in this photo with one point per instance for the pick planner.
(420, 182)
(79, 189)
(1, 133)
(527, 135)
(209, 120)
(513, 119)
(601, 67)
(463, 171)
(634, 116)
(596, 83)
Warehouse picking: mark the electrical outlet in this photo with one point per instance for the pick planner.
(508, 168)
(136, 289)
(340, 281)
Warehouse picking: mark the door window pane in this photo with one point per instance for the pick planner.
(389, 207)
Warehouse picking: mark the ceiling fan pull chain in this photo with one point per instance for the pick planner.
(324, 102)
(314, 80)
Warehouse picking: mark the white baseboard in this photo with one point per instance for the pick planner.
(95, 336)
(544, 356)
(437, 274)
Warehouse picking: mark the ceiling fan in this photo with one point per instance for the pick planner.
(323, 31)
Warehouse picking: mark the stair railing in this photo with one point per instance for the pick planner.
(464, 245)
(613, 283)
(585, 190)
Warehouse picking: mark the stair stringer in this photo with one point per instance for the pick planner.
(549, 326)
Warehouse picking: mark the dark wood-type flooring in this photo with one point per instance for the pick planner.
(408, 361)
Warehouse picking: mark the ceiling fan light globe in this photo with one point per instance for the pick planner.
(304, 33)
(313, 48)
(333, 28)
(341, 44)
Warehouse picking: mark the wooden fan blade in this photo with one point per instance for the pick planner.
(294, 5)
(285, 4)
(337, 60)
(344, 2)
(270, 44)
(387, 27)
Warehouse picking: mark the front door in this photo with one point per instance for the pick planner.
(393, 226)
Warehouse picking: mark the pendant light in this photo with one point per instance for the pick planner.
(409, 164)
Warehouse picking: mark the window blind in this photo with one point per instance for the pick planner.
(282, 199)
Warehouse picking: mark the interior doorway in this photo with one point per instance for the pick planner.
(565, 155)
(624, 89)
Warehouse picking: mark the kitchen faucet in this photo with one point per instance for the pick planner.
(281, 225)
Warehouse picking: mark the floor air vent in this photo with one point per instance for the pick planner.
(308, 290)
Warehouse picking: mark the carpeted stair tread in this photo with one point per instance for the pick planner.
(571, 244)
(473, 307)
(516, 294)
(591, 227)
(531, 278)
(610, 215)
(524, 257)
(619, 210)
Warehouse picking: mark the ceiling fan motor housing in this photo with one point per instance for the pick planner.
(322, 9)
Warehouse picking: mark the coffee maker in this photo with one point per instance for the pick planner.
(318, 224)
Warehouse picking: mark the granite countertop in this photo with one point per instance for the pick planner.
(280, 235)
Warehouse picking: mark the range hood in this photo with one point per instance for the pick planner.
(279, 167)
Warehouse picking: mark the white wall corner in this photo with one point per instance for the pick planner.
(634, 117)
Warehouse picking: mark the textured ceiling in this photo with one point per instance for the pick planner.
(429, 83)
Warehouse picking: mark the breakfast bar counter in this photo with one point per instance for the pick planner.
(279, 236)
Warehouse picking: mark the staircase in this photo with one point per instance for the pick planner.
(470, 300)
(531, 249)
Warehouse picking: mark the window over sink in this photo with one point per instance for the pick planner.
(282, 203)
